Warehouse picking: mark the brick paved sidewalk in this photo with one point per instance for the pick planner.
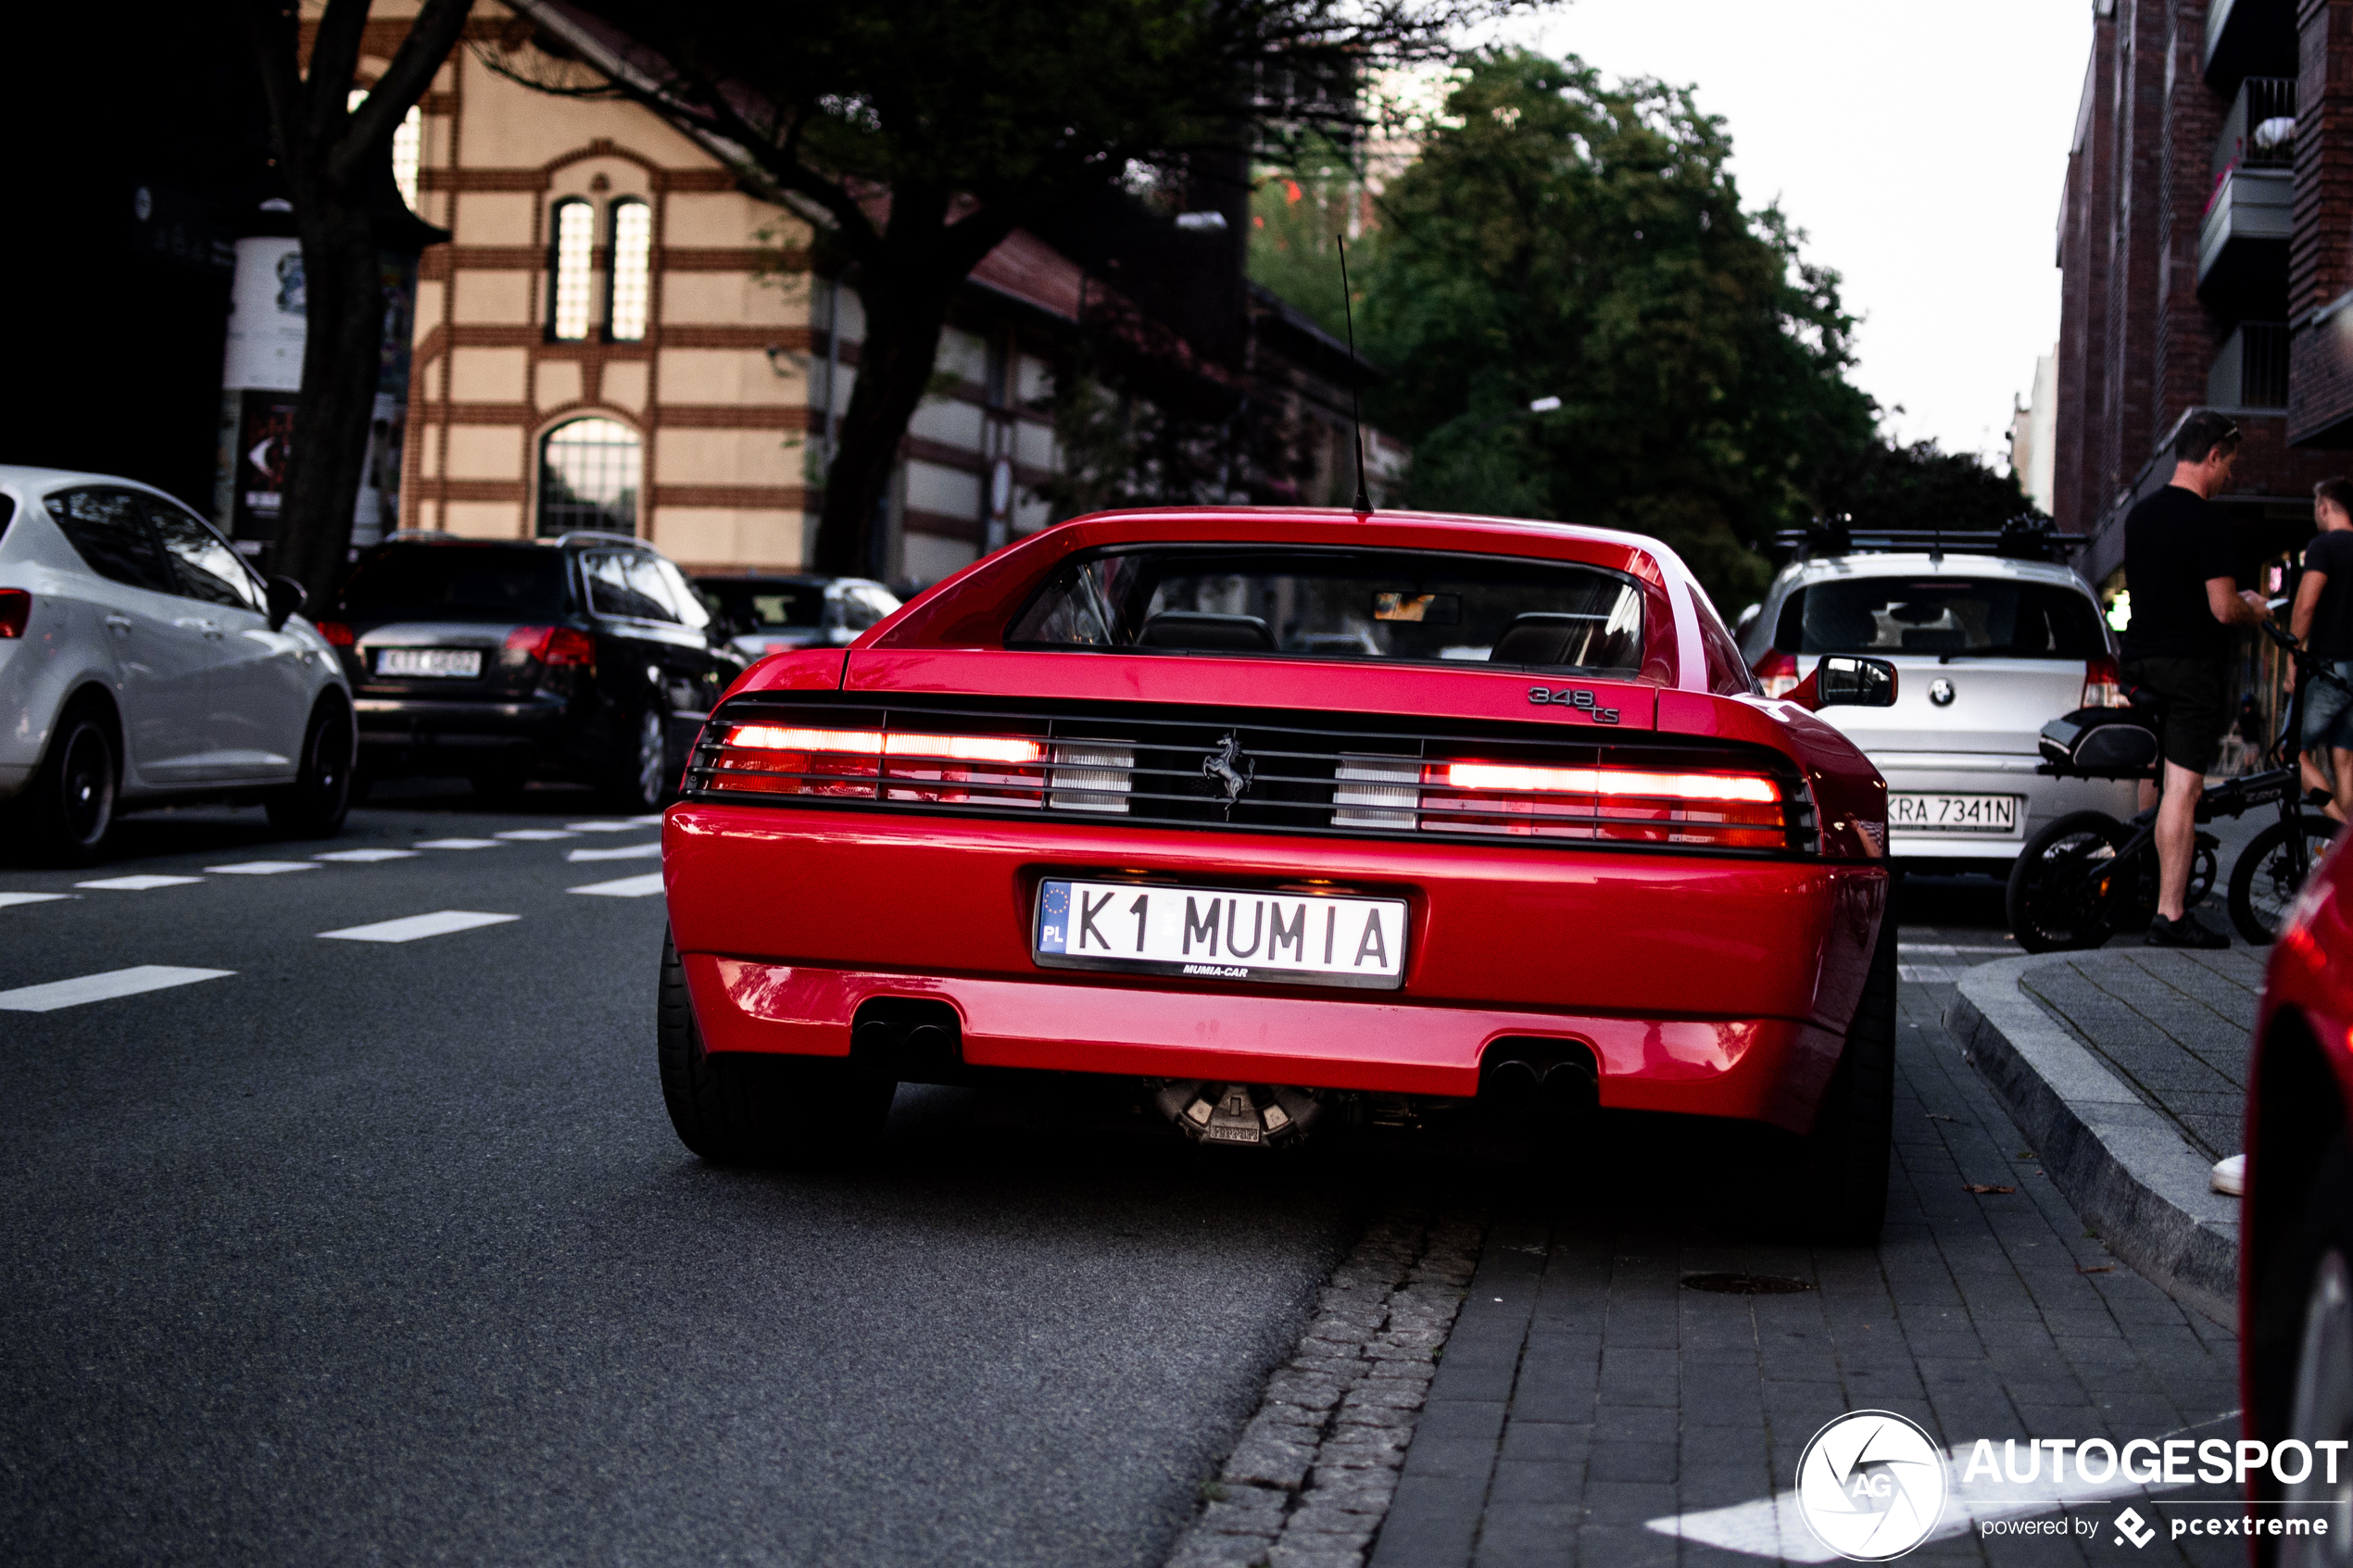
(2172, 1025)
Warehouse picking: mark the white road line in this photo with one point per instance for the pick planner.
(410, 927)
(626, 852)
(648, 817)
(1945, 950)
(139, 883)
(1931, 973)
(365, 856)
(263, 868)
(100, 987)
(458, 843)
(1773, 1527)
(610, 826)
(627, 887)
(535, 835)
(8, 898)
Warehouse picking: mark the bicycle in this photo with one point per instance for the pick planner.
(2081, 878)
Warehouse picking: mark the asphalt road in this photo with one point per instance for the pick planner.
(367, 1252)
(385, 1252)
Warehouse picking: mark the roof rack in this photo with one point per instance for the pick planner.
(2022, 538)
(600, 536)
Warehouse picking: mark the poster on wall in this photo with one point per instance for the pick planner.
(263, 373)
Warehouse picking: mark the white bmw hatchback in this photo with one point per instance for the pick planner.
(1987, 649)
(143, 663)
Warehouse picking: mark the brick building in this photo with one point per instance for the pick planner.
(2205, 238)
(605, 341)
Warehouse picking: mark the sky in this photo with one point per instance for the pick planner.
(1921, 149)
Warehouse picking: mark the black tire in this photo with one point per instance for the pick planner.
(2064, 892)
(1837, 1179)
(642, 780)
(68, 808)
(2267, 877)
(745, 1110)
(2291, 1319)
(316, 803)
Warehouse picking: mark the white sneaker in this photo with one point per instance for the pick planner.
(2230, 1176)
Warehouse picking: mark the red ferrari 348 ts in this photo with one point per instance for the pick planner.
(1289, 817)
(2296, 1224)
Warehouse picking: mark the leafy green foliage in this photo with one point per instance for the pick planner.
(1295, 213)
(1884, 485)
(1561, 238)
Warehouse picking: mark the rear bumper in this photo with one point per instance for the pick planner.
(397, 733)
(2044, 800)
(1703, 985)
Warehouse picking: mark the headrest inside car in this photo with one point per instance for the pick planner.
(1205, 633)
(1543, 637)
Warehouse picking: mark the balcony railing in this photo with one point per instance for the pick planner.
(2251, 369)
(2259, 132)
(2242, 245)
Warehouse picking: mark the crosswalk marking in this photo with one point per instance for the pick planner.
(1946, 950)
(626, 852)
(101, 988)
(410, 927)
(626, 887)
(8, 898)
(535, 835)
(263, 868)
(365, 856)
(611, 826)
(139, 883)
(1931, 973)
(458, 843)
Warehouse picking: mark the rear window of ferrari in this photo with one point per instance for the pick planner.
(1405, 606)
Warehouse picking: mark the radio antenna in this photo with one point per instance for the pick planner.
(1364, 507)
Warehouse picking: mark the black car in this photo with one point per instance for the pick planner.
(588, 657)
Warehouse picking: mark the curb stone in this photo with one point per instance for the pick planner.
(2127, 1170)
(1310, 1480)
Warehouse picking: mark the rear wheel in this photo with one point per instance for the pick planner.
(744, 1109)
(2064, 892)
(1837, 1183)
(641, 777)
(2271, 871)
(69, 807)
(315, 804)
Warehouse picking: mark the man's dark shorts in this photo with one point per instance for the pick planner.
(2195, 715)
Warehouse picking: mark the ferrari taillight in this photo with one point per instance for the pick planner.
(1733, 811)
(2103, 684)
(895, 765)
(16, 610)
(1777, 672)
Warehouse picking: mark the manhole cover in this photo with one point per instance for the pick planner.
(1745, 1285)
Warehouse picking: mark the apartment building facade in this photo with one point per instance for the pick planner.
(2206, 249)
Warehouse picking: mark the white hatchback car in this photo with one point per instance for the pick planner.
(1988, 649)
(143, 663)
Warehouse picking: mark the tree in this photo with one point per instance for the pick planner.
(1557, 238)
(332, 159)
(916, 136)
(1294, 214)
(1884, 485)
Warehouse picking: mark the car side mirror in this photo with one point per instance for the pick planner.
(286, 599)
(1843, 680)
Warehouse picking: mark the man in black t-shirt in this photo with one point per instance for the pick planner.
(2323, 620)
(2180, 564)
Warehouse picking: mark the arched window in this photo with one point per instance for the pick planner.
(408, 145)
(633, 254)
(589, 477)
(572, 258)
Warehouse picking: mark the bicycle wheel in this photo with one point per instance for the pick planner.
(2066, 889)
(2270, 872)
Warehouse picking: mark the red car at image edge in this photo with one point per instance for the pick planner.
(1279, 817)
(2295, 1222)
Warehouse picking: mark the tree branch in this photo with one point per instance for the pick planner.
(431, 37)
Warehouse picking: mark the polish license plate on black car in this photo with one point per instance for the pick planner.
(455, 664)
(1953, 813)
(1221, 934)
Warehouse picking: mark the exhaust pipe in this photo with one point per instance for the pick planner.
(914, 1042)
(1548, 1082)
